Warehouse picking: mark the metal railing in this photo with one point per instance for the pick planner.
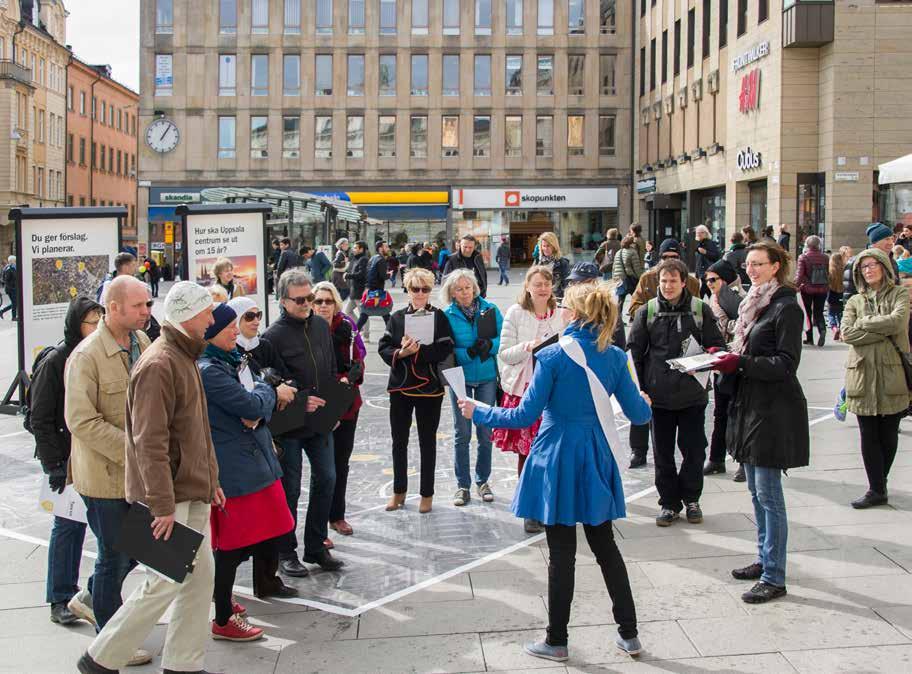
(13, 71)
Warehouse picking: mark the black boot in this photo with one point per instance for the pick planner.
(821, 340)
(809, 337)
(266, 582)
(637, 459)
(870, 499)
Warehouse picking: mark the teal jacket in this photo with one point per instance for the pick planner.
(465, 334)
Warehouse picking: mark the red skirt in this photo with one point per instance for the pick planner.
(251, 518)
(518, 440)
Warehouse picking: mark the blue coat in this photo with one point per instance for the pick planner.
(571, 475)
(319, 265)
(465, 335)
(246, 459)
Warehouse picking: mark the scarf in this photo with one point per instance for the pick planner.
(469, 311)
(231, 358)
(758, 298)
(248, 343)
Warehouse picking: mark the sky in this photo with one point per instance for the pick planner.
(106, 32)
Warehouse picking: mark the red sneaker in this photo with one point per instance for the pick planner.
(236, 629)
(238, 609)
(328, 544)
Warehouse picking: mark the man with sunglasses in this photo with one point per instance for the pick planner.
(304, 343)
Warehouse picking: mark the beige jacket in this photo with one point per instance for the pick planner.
(96, 376)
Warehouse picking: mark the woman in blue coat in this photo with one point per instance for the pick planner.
(570, 475)
(465, 310)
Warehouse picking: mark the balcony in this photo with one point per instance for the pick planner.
(807, 23)
(10, 70)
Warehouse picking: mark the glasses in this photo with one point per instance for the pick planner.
(712, 281)
(253, 315)
(750, 264)
(322, 303)
(305, 299)
(870, 266)
(420, 291)
(92, 322)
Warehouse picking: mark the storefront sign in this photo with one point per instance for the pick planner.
(164, 77)
(748, 160)
(846, 176)
(536, 198)
(749, 98)
(179, 198)
(157, 245)
(646, 186)
(169, 232)
(755, 53)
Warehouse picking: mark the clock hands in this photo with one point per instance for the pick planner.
(167, 129)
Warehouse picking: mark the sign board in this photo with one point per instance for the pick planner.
(748, 160)
(61, 253)
(179, 198)
(169, 232)
(535, 198)
(749, 96)
(233, 231)
(846, 176)
(646, 186)
(164, 76)
(755, 53)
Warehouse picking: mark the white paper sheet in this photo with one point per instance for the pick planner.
(615, 405)
(455, 377)
(68, 505)
(420, 327)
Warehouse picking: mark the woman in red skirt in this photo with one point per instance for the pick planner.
(529, 322)
(255, 511)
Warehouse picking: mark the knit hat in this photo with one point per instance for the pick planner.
(223, 315)
(583, 271)
(670, 246)
(185, 300)
(241, 305)
(877, 231)
(724, 270)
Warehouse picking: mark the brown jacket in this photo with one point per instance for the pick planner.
(648, 287)
(170, 456)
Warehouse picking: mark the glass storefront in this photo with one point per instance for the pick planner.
(811, 207)
(712, 213)
(895, 203)
(758, 198)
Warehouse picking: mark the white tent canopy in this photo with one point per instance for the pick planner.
(896, 171)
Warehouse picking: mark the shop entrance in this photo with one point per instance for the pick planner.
(525, 228)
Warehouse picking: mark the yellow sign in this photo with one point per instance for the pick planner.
(169, 232)
(398, 198)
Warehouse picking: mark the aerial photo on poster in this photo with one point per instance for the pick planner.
(60, 279)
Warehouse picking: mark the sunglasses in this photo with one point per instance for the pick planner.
(711, 281)
(253, 315)
(420, 291)
(305, 299)
(324, 302)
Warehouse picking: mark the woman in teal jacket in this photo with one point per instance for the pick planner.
(476, 355)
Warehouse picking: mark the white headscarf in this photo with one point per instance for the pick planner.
(241, 306)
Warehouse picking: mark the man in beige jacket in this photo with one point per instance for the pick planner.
(96, 376)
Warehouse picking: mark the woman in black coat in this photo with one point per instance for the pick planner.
(768, 419)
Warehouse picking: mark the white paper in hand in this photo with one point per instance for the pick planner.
(420, 327)
(455, 377)
(68, 505)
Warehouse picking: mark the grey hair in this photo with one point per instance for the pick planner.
(451, 279)
(11, 259)
(341, 241)
(293, 277)
(812, 242)
(702, 228)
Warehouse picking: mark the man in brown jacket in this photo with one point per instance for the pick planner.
(170, 467)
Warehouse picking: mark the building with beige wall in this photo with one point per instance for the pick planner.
(766, 113)
(412, 102)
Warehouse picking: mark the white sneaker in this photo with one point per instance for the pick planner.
(140, 657)
(484, 491)
(81, 606)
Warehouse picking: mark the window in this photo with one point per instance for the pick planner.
(449, 140)
(164, 79)
(723, 23)
(119, 163)
(707, 23)
(324, 17)
(762, 10)
(546, 17)
(481, 136)
(227, 74)
(514, 75)
(606, 74)
(691, 29)
(259, 75)
(482, 17)
(450, 75)
(356, 17)
(323, 137)
(544, 76)
(387, 17)
(40, 182)
(291, 137)
(323, 79)
(386, 136)
(41, 126)
(606, 135)
(664, 56)
(120, 120)
(418, 137)
(387, 74)
(259, 16)
(292, 17)
(514, 17)
(226, 135)
(451, 17)
(482, 74)
(104, 158)
(82, 151)
(291, 75)
(607, 16)
(513, 136)
(69, 98)
(653, 66)
(676, 59)
(70, 147)
(82, 103)
(576, 17)
(164, 16)
(354, 137)
(544, 136)
(419, 17)
(575, 136)
(42, 64)
(419, 75)
(576, 71)
(228, 23)
(356, 74)
(742, 17)
(111, 159)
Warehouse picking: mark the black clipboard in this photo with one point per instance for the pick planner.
(172, 558)
(339, 398)
(487, 324)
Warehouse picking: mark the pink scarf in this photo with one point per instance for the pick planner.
(758, 298)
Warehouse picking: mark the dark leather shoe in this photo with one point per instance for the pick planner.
(199, 671)
(87, 665)
(739, 475)
(714, 467)
(325, 560)
(870, 499)
(750, 572)
(275, 588)
(293, 567)
(762, 593)
(62, 615)
(637, 460)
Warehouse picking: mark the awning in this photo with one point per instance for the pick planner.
(896, 171)
(304, 207)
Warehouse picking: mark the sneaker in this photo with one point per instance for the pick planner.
(484, 491)
(140, 657)
(694, 513)
(62, 615)
(714, 468)
(87, 665)
(462, 497)
(81, 606)
(666, 518)
(739, 475)
(762, 592)
(631, 647)
(237, 609)
(532, 526)
(236, 629)
(750, 572)
(839, 411)
(637, 459)
(541, 649)
(870, 499)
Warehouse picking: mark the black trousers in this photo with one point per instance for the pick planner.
(265, 557)
(639, 439)
(720, 426)
(343, 444)
(677, 487)
(814, 306)
(562, 577)
(879, 438)
(427, 418)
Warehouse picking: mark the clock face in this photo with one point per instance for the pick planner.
(162, 135)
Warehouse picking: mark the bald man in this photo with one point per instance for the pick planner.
(97, 374)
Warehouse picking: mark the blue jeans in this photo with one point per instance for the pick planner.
(320, 454)
(765, 486)
(64, 555)
(485, 392)
(105, 517)
(504, 274)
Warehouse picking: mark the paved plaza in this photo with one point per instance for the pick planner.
(460, 589)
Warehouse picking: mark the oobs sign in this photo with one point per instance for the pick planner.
(747, 159)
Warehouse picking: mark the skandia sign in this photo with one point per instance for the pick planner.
(532, 198)
(755, 53)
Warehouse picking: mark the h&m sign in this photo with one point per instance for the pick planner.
(749, 96)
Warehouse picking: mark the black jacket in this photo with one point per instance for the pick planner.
(702, 261)
(768, 416)
(288, 259)
(736, 257)
(475, 263)
(265, 355)
(652, 346)
(9, 280)
(848, 277)
(52, 437)
(376, 272)
(357, 275)
(416, 375)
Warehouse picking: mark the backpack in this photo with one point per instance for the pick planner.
(27, 403)
(819, 276)
(696, 311)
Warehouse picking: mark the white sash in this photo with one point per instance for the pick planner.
(600, 397)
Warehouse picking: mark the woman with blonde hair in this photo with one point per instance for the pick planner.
(549, 256)
(533, 319)
(224, 276)
(571, 475)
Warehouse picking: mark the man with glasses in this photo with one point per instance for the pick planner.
(304, 342)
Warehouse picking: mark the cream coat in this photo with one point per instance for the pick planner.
(514, 362)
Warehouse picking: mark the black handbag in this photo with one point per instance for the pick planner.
(906, 360)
